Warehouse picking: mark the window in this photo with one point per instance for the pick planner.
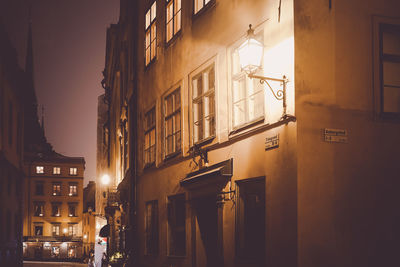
(72, 209)
(176, 225)
(250, 219)
(247, 96)
(56, 189)
(173, 18)
(72, 229)
(73, 189)
(39, 188)
(73, 171)
(151, 228)
(38, 209)
(390, 69)
(56, 209)
(39, 169)
(56, 170)
(199, 4)
(203, 85)
(150, 137)
(55, 229)
(38, 230)
(172, 122)
(150, 29)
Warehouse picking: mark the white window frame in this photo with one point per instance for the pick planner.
(150, 33)
(204, 115)
(173, 15)
(175, 117)
(198, 5)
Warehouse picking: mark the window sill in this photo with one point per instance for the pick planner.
(146, 67)
(172, 155)
(173, 39)
(204, 141)
(247, 126)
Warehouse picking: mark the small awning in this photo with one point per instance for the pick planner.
(214, 177)
(105, 231)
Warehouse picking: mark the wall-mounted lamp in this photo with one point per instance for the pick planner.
(250, 58)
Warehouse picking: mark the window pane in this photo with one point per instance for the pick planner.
(147, 19)
(391, 43)
(153, 10)
(177, 22)
(391, 99)
(256, 106)
(239, 90)
(391, 73)
(239, 114)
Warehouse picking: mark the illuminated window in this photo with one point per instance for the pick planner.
(72, 209)
(150, 32)
(56, 170)
(39, 169)
(73, 189)
(56, 189)
(38, 230)
(200, 4)
(247, 96)
(390, 69)
(72, 229)
(73, 171)
(55, 229)
(203, 98)
(38, 209)
(173, 18)
(56, 209)
(176, 225)
(172, 122)
(151, 228)
(150, 137)
(39, 188)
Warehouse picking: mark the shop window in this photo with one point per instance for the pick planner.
(203, 97)
(176, 225)
(151, 228)
(172, 122)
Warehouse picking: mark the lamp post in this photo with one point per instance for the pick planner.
(250, 57)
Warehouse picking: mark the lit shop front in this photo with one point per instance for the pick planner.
(53, 248)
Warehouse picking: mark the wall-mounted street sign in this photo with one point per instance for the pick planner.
(272, 142)
(335, 135)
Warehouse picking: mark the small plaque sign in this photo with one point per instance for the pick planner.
(335, 135)
(272, 142)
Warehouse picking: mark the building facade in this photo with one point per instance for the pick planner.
(12, 86)
(89, 218)
(53, 208)
(224, 172)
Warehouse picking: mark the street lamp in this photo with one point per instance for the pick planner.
(250, 57)
(105, 179)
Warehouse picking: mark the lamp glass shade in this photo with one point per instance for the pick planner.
(250, 55)
(105, 179)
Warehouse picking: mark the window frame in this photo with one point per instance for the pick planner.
(379, 23)
(55, 226)
(73, 171)
(172, 20)
(147, 132)
(56, 170)
(73, 205)
(40, 205)
(53, 206)
(38, 226)
(74, 193)
(39, 169)
(151, 231)
(149, 29)
(56, 189)
(41, 184)
(72, 229)
(171, 208)
(200, 98)
(177, 145)
(206, 4)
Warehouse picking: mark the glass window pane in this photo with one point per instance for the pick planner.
(147, 19)
(391, 73)
(391, 43)
(211, 79)
(178, 122)
(391, 99)
(239, 113)
(177, 22)
(153, 10)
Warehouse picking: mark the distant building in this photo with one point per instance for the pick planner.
(53, 187)
(89, 218)
(12, 87)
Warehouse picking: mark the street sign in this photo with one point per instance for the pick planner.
(335, 135)
(272, 142)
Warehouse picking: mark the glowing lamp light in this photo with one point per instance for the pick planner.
(250, 52)
(65, 230)
(85, 236)
(105, 179)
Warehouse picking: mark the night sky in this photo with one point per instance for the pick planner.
(69, 38)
